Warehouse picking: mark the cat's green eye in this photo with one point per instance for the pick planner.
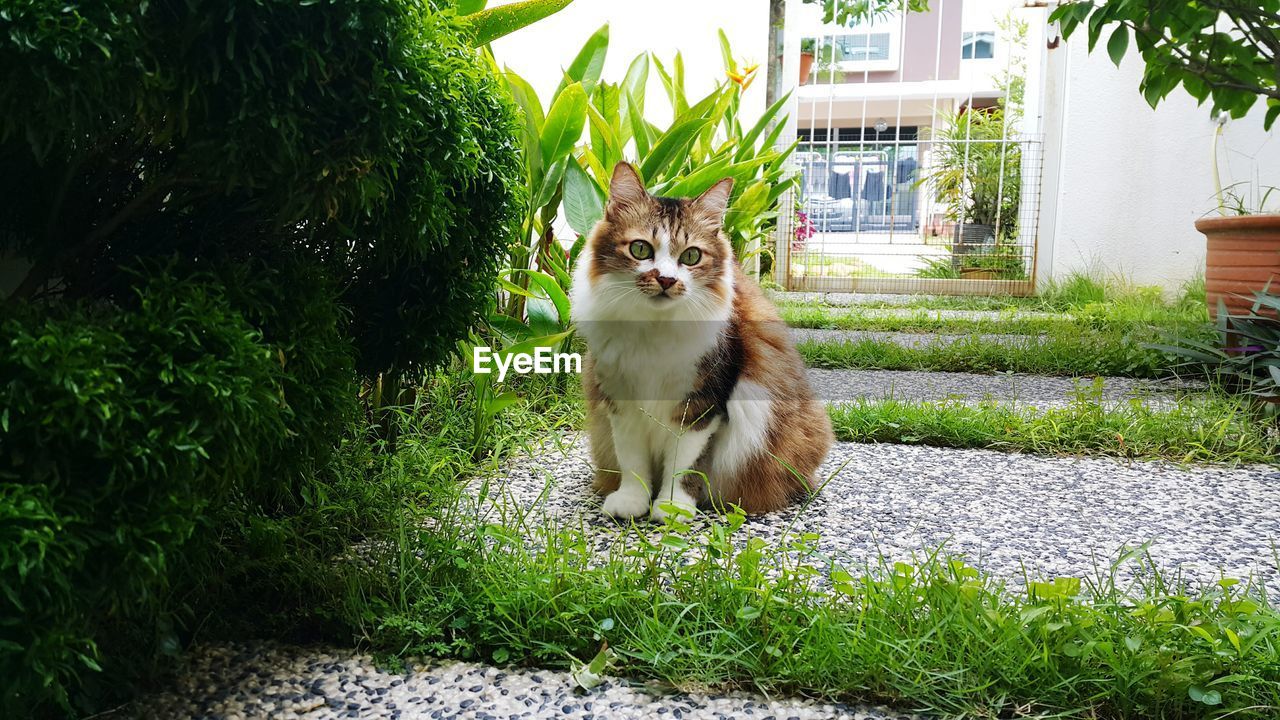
(641, 250)
(691, 256)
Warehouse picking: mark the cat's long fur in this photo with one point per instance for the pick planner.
(695, 392)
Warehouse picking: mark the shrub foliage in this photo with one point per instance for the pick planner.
(363, 136)
(221, 215)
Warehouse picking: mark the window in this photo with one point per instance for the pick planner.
(862, 48)
(874, 48)
(978, 45)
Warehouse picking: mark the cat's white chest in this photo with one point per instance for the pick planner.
(648, 365)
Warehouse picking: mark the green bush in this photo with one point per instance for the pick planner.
(225, 214)
(364, 137)
(121, 427)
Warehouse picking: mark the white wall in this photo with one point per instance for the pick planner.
(1132, 180)
(539, 52)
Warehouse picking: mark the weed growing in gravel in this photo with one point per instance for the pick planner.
(1199, 428)
(707, 604)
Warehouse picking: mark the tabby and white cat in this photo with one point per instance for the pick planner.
(695, 392)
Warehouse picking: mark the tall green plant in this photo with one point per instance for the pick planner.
(589, 125)
(705, 142)
(1244, 357)
(977, 169)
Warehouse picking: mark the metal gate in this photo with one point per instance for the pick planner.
(919, 166)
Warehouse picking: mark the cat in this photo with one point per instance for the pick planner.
(695, 392)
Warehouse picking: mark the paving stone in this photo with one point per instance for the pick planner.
(905, 339)
(1038, 391)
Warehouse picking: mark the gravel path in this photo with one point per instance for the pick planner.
(1003, 511)
(239, 682)
(836, 386)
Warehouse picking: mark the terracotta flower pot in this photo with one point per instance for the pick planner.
(1243, 253)
(806, 65)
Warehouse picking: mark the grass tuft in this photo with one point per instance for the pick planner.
(1203, 428)
(1068, 353)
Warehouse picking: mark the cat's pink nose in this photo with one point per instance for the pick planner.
(666, 282)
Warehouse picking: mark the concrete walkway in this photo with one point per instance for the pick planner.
(839, 386)
(905, 339)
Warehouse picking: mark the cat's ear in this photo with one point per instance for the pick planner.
(715, 200)
(626, 189)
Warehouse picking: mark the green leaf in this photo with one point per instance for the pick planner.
(590, 675)
(674, 84)
(726, 53)
(499, 403)
(633, 89)
(564, 123)
(532, 344)
(589, 62)
(1118, 44)
(551, 182)
(531, 109)
(511, 329)
(467, 7)
(675, 143)
(553, 291)
(752, 201)
(603, 138)
(1096, 23)
(492, 23)
(696, 182)
(639, 129)
(583, 203)
(748, 146)
(1207, 697)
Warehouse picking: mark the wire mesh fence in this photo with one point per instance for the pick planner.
(915, 173)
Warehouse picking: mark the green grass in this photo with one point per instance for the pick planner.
(1077, 294)
(1010, 321)
(713, 608)
(1068, 352)
(1204, 428)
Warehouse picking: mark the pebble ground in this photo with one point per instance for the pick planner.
(250, 681)
(1006, 512)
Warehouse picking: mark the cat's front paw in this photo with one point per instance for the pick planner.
(627, 502)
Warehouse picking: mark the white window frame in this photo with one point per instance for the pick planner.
(891, 26)
(975, 37)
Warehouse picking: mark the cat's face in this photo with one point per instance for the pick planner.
(668, 253)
